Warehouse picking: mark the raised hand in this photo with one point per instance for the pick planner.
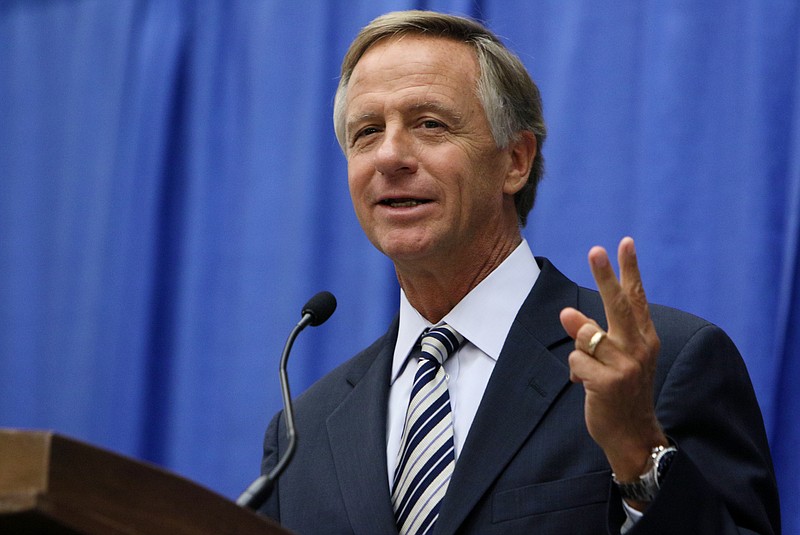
(617, 368)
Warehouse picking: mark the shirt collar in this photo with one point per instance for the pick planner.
(484, 316)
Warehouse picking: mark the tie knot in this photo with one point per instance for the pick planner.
(440, 342)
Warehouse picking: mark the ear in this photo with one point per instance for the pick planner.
(522, 150)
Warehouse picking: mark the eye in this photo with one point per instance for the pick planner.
(431, 123)
(367, 131)
(363, 134)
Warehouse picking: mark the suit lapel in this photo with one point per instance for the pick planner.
(526, 381)
(357, 434)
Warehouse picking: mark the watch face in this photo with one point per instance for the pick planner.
(646, 488)
(664, 463)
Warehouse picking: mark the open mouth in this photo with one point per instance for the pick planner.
(403, 203)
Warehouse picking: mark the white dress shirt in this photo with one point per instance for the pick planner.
(483, 317)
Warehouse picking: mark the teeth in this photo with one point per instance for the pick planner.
(403, 203)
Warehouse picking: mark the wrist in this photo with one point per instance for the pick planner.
(632, 458)
(645, 487)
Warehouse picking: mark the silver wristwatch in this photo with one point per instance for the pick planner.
(646, 488)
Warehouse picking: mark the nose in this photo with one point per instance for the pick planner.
(395, 153)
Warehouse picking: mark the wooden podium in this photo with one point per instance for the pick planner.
(50, 484)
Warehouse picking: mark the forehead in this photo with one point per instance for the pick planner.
(414, 64)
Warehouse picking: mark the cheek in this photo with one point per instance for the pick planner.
(358, 184)
(351, 182)
(483, 193)
(356, 178)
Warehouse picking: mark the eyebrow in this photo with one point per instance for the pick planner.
(437, 107)
(363, 118)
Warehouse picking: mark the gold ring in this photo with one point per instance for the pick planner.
(595, 341)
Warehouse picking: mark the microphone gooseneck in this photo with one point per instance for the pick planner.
(315, 312)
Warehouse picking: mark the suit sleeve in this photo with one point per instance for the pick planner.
(270, 459)
(721, 481)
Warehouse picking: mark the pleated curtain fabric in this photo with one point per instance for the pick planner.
(427, 451)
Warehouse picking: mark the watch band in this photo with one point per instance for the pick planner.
(648, 484)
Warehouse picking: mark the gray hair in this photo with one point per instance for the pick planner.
(510, 98)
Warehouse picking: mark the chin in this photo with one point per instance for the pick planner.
(405, 250)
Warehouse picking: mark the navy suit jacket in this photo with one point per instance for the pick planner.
(529, 464)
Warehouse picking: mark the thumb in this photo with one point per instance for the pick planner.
(572, 320)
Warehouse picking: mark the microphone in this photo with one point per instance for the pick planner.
(315, 312)
(319, 308)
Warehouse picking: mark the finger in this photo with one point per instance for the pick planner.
(572, 320)
(581, 329)
(594, 342)
(631, 281)
(590, 338)
(618, 309)
(585, 369)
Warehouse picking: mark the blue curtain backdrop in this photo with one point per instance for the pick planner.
(171, 193)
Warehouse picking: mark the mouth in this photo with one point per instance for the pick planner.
(403, 203)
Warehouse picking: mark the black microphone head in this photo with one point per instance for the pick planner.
(320, 307)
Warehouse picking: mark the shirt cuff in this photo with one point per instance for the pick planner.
(633, 516)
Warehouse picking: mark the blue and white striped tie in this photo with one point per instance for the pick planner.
(427, 451)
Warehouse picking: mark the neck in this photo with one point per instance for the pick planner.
(435, 290)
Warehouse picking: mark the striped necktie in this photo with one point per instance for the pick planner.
(426, 458)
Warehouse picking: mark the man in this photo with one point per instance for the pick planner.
(550, 388)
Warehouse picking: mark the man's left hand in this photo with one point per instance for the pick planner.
(617, 373)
